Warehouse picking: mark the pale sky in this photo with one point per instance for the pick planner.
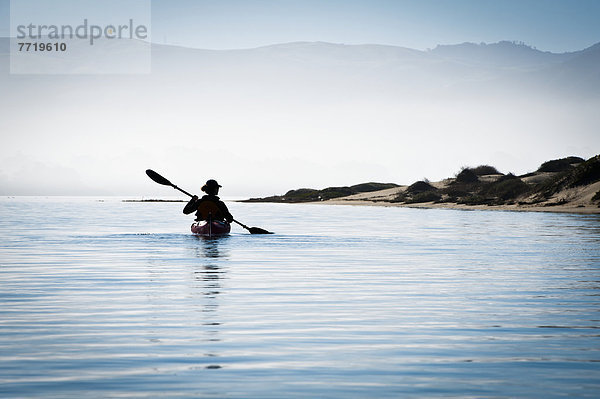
(549, 25)
(96, 135)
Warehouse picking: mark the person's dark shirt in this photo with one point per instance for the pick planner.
(194, 204)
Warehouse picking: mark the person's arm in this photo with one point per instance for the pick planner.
(225, 211)
(191, 206)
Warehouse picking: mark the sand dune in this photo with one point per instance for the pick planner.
(578, 200)
(569, 184)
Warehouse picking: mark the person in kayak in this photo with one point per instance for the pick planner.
(209, 207)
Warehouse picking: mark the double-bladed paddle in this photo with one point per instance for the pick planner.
(253, 230)
(165, 182)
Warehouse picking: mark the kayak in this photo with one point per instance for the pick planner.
(210, 229)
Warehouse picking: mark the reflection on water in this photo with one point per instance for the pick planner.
(209, 278)
(95, 301)
(208, 247)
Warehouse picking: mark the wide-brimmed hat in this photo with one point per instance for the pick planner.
(210, 184)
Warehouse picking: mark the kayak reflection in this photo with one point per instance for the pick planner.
(209, 275)
(211, 247)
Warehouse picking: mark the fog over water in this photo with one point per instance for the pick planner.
(316, 114)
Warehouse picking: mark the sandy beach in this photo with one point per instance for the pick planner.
(574, 200)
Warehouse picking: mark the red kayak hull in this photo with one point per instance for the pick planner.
(210, 229)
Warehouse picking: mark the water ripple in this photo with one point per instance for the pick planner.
(341, 302)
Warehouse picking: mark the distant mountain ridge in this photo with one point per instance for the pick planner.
(504, 53)
(386, 67)
(325, 72)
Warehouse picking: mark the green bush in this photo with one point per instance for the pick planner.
(420, 187)
(301, 194)
(586, 173)
(455, 192)
(507, 189)
(334, 192)
(402, 197)
(583, 174)
(447, 199)
(482, 170)
(466, 175)
(368, 187)
(559, 165)
(426, 196)
(474, 199)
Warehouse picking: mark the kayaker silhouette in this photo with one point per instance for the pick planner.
(203, 227)
(209, 207)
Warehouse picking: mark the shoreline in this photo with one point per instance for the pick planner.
(566, 185)
(575, 209)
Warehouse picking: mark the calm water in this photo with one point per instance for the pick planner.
(113, 299)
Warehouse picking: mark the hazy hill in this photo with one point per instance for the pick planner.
(502, 54)
(371, 69)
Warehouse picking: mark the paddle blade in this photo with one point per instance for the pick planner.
(158, 178)
(258, 230)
